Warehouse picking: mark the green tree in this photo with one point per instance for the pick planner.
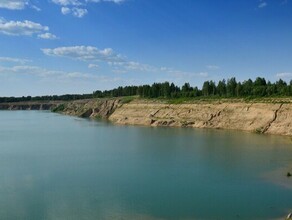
(206, 88)
(231, 86)
(247, 87)
(221, 88)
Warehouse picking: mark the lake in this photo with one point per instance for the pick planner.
(59, 167)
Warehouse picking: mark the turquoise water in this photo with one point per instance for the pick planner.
(59, 167)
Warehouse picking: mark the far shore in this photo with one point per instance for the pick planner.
(263, 116)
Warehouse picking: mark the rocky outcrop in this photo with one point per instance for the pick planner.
(254, 117)
(92, 108)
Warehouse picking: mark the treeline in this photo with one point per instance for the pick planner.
(224, 88)
(46, 98)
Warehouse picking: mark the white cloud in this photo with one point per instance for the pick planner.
(35, 8)
(17, 5)
(125, 66)
(47, 36)
(67, 2)
(21, 27)
(24, 28)
(78, 7)
(51, 74)
(79, 12)
(131, 65)
(14, 60)
(284, 75)
(118, 63)
(85, 53)
(13, 4)
(93, 66)
(65, 10)
(76, 80)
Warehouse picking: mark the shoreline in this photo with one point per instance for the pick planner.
(256, 117)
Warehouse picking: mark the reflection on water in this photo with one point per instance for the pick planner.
(59, 167)
(279, 176)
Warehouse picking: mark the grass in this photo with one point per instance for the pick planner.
(181, 100)
(212, 99)
(127, 99)
(197, 100)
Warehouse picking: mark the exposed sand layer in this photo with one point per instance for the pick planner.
(91, 108)
(270, 118)
(254, 117)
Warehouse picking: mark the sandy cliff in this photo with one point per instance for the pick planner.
(91, 108)
(254, 117)
(270, 118)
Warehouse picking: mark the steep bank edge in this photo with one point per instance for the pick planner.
(92, 108)
(253, 117)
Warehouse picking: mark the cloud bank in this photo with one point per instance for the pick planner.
(119, 64)
(14, 60)
(13, 4)
(17, 5)
(24, 28)
(85, 53)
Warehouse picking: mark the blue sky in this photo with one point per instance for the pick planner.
(78, 46)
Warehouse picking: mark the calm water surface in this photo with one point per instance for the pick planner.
(60, 167)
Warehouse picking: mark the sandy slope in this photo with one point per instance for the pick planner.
(254, 117)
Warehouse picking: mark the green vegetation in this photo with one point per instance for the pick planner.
(127, 99)
(59, 108)
(46, 98)
(179, 100)
(259, 130)
(248, 90)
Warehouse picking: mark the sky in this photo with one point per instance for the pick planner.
(78, 46)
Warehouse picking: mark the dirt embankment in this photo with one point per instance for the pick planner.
(270, 118)
(91, 108)
(28, 105)
(254, 117)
